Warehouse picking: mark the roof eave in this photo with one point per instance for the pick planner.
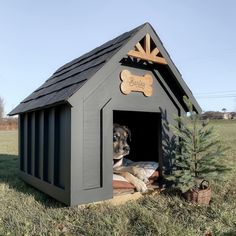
(12, 113)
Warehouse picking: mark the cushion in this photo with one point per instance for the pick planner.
(120, 182)
(150, 168)
(117, 184)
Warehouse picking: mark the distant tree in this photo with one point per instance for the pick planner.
(1, 107)
(212, 115)
(224, 109)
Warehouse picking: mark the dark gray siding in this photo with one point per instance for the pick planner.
(92, 120)
(92, 179)
(92, 139)
(45, 137)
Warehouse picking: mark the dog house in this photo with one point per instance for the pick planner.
(66, 125)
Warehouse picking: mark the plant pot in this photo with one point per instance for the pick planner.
(200, 195)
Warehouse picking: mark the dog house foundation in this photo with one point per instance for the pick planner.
(66, 125)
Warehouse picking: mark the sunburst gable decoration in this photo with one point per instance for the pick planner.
(147, 50)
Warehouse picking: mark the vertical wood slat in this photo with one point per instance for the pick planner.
(21, 141)
(41, 143)
(25, 142)
(62, 146)
(33, 134)
(36, 144)
(29, 140)
(56, 147)
(45, 145)
(51, 145)
(147, 43)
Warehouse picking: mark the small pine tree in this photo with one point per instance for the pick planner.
(197, 149)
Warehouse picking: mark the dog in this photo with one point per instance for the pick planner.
(132, 174)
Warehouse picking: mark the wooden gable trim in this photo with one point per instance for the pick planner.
(145, 53)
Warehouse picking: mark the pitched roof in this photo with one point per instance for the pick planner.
(72, 76)
(69, 78)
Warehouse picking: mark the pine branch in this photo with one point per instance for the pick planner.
(198, 150)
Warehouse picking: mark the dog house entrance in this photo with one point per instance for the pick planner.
(145, 130)
(145, 144)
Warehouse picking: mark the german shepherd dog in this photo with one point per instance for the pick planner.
(134, 175)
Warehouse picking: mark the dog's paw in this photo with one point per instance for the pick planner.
(140, 186)
(140, 173)
(143, 178)
(146, 180)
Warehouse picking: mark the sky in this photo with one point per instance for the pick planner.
(38, 37)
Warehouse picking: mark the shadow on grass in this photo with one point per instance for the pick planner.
(231, 233)
(173, 192)
(9, 175)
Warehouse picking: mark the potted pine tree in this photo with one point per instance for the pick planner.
(197, 151)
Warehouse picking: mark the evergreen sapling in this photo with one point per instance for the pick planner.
(197, 149)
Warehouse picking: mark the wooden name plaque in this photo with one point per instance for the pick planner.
(134, 83)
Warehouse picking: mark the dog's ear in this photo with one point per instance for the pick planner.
(128, 132)
(115, 126)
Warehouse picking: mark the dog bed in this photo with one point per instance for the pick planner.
(150, 168)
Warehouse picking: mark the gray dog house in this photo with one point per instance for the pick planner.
(65, 126)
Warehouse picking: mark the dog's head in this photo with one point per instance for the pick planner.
(120, 145)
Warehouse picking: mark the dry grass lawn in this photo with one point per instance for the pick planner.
(26, 211)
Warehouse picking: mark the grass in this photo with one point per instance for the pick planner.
(9, 142)
(26, 211)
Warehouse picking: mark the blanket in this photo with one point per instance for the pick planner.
(150, 168)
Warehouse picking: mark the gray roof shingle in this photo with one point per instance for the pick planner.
(72, 76)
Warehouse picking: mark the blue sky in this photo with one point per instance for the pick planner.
(37, 37)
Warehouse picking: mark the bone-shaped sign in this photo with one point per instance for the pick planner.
(136, 83)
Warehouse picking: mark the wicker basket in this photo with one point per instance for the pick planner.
(201, 195)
